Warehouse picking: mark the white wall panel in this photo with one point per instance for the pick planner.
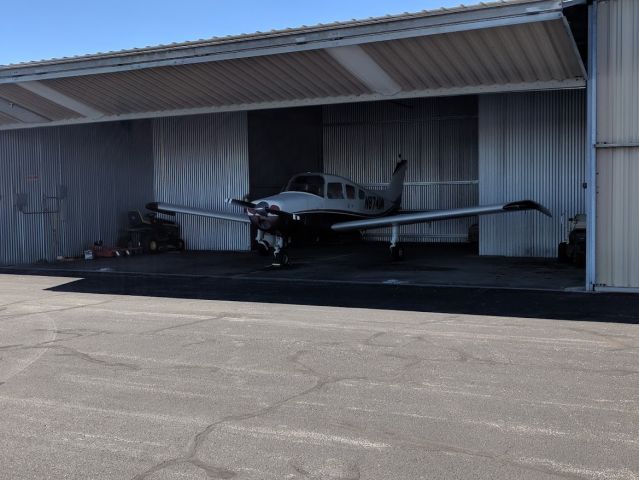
(617, 238)
(200, 161)
(531, 146)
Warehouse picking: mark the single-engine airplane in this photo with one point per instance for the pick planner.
(319, 202)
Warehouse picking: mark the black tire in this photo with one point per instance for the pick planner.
(281, 259)
(263, 248)
(179, 245)
(397, 252)
(562, 252)
(152, 246)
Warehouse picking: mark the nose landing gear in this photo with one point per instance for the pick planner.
(280, 257)
(267, 241)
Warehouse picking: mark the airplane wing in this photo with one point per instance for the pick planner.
(436, 215)
(170, 208)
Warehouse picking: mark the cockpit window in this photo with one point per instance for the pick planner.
(307, 183)
(334, 190)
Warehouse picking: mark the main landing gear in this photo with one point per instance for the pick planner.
(267, 241)
(396, 250)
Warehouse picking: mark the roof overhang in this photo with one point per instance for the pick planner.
(516, 46)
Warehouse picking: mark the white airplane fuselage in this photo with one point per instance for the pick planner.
(339, 199)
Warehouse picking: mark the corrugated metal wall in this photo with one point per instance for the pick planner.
(531, 146)
(200, 161)
(105, 169)
(438, 137)
(617, 245)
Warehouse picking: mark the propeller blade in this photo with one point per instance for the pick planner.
(240, 203)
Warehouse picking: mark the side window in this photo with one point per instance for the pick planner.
(334, 190)
(350, 191)
(362, 195)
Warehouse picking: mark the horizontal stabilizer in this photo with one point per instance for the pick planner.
(169, 207)
(437, 215)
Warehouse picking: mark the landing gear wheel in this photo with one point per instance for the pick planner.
(263, 248)
(153, 246)
(281, 259)
(397, 252)
(562, 253)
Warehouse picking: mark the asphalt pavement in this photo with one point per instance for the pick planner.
(128, 377)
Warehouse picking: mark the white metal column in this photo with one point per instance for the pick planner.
(591, 151)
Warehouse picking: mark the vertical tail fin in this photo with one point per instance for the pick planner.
(396, 185)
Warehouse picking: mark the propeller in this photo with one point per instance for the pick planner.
(261, 208)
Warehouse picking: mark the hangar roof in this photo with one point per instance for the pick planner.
(506, 46)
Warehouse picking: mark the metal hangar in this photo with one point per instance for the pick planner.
(532, 98)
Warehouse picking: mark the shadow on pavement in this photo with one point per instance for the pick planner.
(598, 307)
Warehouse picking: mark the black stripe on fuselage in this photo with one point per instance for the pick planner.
(319, 220)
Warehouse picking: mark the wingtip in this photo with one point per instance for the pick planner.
(528, 205)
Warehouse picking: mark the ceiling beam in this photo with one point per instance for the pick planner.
(61, 99)
(20, 113)
(354, 59)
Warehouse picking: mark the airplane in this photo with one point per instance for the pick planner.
(320, 202)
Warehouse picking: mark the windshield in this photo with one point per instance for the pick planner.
(307, 183)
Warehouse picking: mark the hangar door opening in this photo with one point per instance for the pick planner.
(438, 138)
(466, 151)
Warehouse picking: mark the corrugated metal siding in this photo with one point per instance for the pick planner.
(531, 146)
(106, 170)
(617, 219)
(617, 245)
(438, 137)
(200, 161)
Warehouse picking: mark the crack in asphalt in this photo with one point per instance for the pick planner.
(322, 380)
(194, 322)
(68, 351)
(349, 471)
(195, 444)
(54, 310)
(613, 340)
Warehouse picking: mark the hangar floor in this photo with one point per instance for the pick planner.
(361, 263)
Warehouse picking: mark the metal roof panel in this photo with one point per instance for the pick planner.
(516, 45)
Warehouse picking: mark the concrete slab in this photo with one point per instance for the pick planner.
(99, 384)
(362, 263)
